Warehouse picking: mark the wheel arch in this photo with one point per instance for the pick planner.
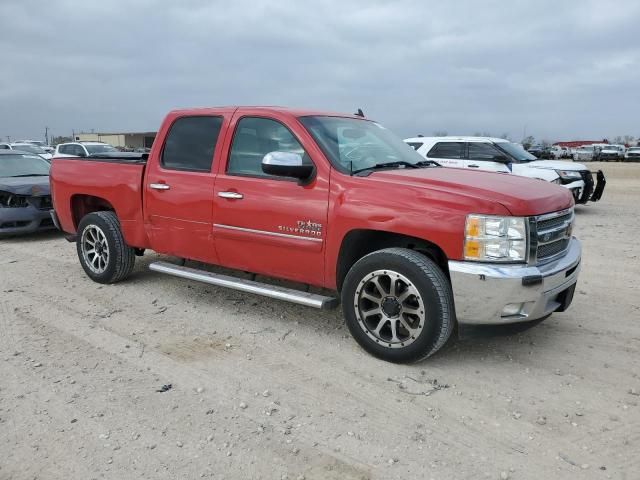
(82, 205)
(360, 242)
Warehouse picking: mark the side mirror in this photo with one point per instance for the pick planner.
(82, 154)
(286, 164)
(500, 158)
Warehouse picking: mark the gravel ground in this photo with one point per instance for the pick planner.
(264, 389)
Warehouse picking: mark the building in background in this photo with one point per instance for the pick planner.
(127, 139)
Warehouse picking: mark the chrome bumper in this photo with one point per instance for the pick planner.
(496, 294)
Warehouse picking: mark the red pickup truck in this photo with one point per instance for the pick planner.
(329, 200)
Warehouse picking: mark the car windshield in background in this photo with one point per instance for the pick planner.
(517, 152)
(30, 149)
(92, 149)
(23, 166)
(352, 145)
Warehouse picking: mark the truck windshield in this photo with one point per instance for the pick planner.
(99, 149)
(517, 152)
(351, 144)
(23, 166)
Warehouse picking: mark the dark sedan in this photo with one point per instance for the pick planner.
(25, 198)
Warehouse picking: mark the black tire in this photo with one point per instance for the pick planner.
(120, 258)
(434, 300)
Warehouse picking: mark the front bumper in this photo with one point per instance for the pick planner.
(17, 221)
(486, 294)
(592, 190)
(576, 188)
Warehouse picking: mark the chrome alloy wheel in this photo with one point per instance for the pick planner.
(389, 308)
(95, 249)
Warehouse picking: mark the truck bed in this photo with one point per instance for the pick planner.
(112, 181)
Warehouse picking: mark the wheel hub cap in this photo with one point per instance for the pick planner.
(95, 249)
(389, 309)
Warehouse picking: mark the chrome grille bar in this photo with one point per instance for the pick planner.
(552, 234)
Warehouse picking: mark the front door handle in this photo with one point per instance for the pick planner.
(159, 186)
(474, 166)
(231, 195)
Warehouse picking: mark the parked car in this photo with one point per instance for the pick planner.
(41, 144)
(584, 153)
(499, 155)
(611, 153)
(632, 154)
(82, 149)
(31, 148)
(558, 152)
(540, 152)
(330, 201)
(26, 147)
(25, 200)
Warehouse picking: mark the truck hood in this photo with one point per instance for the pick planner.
(556, 165)
(519, 195)
(33, 186)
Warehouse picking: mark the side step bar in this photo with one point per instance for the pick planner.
(250, 286)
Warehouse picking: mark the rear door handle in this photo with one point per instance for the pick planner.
(474, 166)
(231, 195)
(159, 186)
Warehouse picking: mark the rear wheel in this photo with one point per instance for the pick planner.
(103, 254)
(398, 305)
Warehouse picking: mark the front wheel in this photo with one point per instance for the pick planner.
(398, 305)
(103, 254)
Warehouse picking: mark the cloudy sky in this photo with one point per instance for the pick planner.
(559, 69)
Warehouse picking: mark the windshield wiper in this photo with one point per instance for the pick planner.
(30, 175)
(426, 163)
(399, 163)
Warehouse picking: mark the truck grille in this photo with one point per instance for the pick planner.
(552, 234)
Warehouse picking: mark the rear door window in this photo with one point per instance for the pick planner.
(190, 143)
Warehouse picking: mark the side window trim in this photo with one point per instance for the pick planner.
(263, 176)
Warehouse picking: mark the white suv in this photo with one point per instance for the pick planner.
(499, 155)
(82, 149)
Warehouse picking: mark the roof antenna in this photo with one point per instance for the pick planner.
(359, 113)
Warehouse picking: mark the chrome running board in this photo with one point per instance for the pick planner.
(250, 286)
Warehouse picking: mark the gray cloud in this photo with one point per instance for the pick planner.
(562, 69)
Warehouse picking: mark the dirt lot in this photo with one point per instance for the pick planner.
(264, 389)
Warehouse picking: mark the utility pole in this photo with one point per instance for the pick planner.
(46, 135)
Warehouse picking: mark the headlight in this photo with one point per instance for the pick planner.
(495, 239)
(9, 200)
(569, 174)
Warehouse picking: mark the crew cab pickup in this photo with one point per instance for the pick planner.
(332, 201)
